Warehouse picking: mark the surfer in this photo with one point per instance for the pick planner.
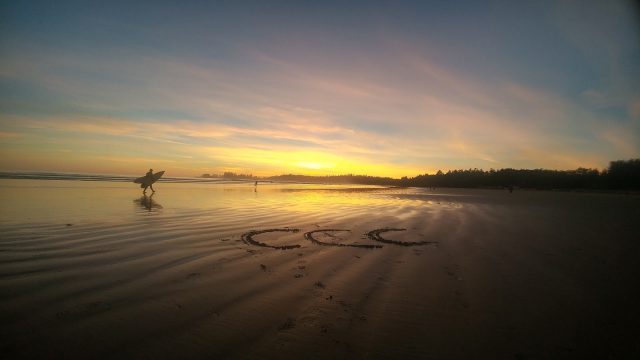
(150, 181)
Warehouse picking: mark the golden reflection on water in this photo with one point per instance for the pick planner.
(36, 201)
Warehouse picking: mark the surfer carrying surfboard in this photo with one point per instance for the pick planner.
(148, 180)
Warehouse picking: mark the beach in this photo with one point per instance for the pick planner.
(94, 269)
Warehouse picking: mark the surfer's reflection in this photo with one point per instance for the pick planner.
(148, 203)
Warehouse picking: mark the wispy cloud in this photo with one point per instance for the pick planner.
(387, 106)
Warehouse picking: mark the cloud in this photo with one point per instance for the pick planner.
(634, 108)
(401, 112)
(9, 134)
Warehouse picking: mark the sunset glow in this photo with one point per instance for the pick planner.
(302, 88)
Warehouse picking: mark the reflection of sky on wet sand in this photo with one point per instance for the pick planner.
(40, 201)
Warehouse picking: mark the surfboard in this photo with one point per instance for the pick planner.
(144, 181)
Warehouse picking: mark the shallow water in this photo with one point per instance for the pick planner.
(68, 201)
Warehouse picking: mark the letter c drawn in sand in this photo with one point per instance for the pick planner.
(375, 235)
(248, 238)
(309, 236)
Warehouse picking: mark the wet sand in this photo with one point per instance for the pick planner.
(290, 271)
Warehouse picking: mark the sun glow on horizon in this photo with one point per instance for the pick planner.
(271, 95)
(313, 165)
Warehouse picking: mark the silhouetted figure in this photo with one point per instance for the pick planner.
(255, 186)
(510, 188)
(149, 177)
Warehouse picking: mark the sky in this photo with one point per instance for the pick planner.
(383, 88)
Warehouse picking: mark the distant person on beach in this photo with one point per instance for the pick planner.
(149, 176)
(255, 186)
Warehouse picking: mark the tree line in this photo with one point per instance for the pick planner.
(620, 175)
(230, 175)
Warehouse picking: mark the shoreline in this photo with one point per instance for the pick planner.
(28, 175)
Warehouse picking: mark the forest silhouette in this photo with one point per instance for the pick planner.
(620, 175)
